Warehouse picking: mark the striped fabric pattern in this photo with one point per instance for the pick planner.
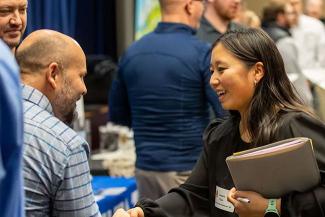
(56, 170)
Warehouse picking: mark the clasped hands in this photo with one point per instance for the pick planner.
(255, 208)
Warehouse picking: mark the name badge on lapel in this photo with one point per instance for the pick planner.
(221, 201)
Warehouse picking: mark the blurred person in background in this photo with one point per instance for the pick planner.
(217, 19)
(246, 17)
(13, 19)
(314, 8)
(162, 92)
(11, 136)
(278, 17)
(309, 36)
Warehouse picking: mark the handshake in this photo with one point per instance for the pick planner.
(134, 212)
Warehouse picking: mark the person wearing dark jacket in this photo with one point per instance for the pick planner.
(249, 77)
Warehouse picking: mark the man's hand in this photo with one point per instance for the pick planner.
(121, 213)
(135, 212)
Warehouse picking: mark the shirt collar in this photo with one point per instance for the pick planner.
(166, 27)
(209, 28)
(205, 24)
(36, 97)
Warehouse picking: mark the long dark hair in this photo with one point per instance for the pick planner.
(274, 95)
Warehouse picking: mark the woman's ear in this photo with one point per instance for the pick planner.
(52, 74)
(258, 72)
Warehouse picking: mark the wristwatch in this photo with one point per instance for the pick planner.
(271, 210)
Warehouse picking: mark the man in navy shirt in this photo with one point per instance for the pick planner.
(11, 136)
(162, 92)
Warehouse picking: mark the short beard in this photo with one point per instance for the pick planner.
(67, 118)
(61, 105)
(71, 117)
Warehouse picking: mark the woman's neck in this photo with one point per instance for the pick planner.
(243, 129)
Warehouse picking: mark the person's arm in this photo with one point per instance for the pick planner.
(74, 196)
(190, 199)
(310, 203)
(119, 108)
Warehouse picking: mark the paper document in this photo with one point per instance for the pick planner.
(276, 169)
(269, 150)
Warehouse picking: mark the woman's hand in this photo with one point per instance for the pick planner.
(256, 206)
(136, 212)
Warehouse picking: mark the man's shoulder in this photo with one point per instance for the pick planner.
(5, 51)
(177, 45)
(50, 129)
(173, 38)
(299, 117)
(219, 128)
(7, 60)
(310, 23)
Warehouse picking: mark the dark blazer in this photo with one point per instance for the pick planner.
(196, 197)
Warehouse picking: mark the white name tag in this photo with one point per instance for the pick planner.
(221, 201)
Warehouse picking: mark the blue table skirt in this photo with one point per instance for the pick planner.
(108, 203)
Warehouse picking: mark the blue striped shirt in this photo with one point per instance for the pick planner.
(56, 170)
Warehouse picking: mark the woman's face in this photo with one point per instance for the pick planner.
(231, 79)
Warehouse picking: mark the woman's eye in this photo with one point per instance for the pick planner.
(220, 69)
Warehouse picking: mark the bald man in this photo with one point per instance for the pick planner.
(13, 19)
(314, 8)
(56, 170)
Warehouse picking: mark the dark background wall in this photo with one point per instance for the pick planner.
(91, 22)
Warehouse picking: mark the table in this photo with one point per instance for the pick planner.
(112, 193)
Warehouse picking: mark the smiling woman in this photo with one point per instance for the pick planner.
(232, 80)
(249, 77)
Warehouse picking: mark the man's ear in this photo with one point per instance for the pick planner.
(52, 74)
(259, 71)
(189, 7)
